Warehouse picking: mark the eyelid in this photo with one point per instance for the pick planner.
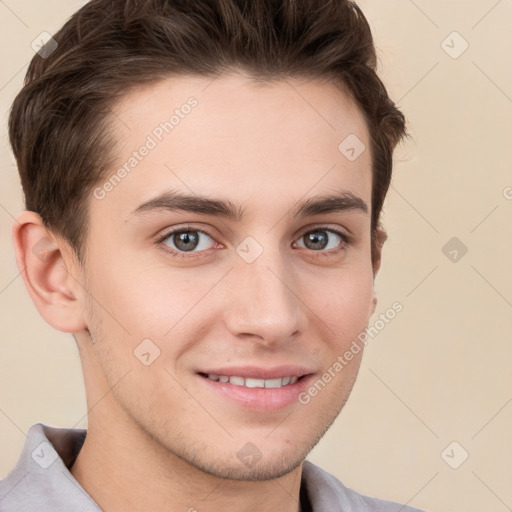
(346, 239)
(326, 227)
(172, 231)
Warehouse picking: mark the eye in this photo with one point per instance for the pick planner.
(186, 240)
(321, 239)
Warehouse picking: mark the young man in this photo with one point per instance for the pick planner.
(203, 185)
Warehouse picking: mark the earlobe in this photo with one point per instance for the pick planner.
(380, 238)
(374, 304)
(45, 273)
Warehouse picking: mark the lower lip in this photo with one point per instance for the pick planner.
(260, 399)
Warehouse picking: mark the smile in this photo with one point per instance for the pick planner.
(259, 389)
(253, 383)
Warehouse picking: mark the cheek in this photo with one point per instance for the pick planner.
(144, 300)
(346, 304)
(165, 306)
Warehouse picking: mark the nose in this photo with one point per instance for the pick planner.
(264, 300)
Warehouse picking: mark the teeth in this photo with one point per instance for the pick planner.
(273, 383)
(254, 383)
(237, 381)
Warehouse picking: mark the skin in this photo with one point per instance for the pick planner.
(158, 438)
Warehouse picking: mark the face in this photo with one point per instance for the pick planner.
(212, 317)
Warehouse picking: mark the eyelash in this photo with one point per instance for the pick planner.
(346, 240)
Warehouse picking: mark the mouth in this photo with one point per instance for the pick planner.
(249, 382)
(256, 389)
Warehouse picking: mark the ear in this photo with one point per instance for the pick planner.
(49, 272)
(380, 238)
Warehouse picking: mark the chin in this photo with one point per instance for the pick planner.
(258, 471)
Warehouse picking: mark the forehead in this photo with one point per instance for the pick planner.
(237, 138)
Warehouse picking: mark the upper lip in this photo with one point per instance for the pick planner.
(254, 372)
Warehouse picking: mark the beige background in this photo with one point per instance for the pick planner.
(440, 371)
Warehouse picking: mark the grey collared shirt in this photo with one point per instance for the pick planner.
(41, 481)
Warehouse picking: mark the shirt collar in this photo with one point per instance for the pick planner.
(42, 479)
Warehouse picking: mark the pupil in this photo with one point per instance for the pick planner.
(316, 239)
(186, 242)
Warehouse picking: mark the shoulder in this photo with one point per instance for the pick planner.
(40, 481)
(327, 493)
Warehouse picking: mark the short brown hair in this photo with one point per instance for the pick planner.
(59, 122)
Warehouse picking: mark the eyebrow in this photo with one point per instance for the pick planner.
(318, 205)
